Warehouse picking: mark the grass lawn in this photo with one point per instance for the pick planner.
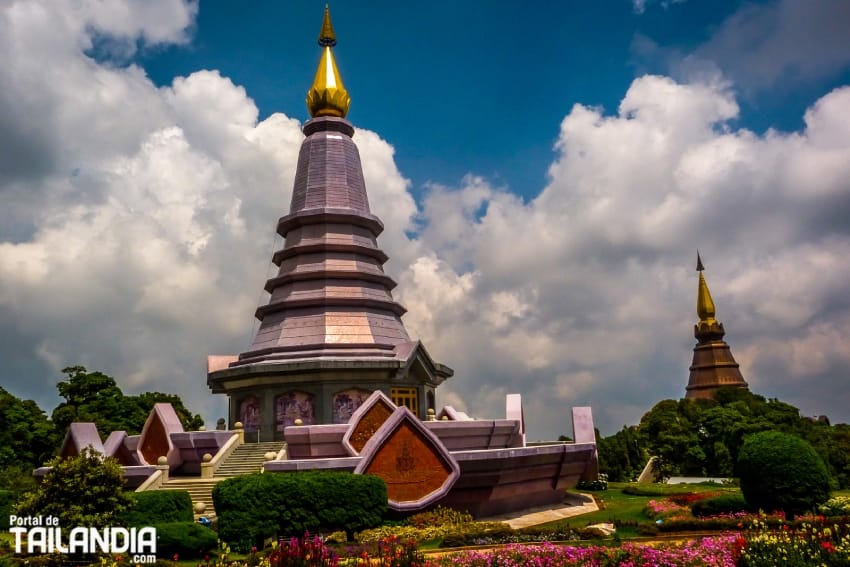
(616, 505)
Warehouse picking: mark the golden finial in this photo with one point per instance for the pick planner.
(327, 37)
(327, 96)
(705, 305)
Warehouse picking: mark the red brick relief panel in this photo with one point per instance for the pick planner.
(155, 443)
(371, 421)
(409, 464)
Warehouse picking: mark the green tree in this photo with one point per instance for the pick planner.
(91, 397)
(96, 397)
(622, 455)
(671, 436)
(86, 490)
(27, 438)
(779, 471)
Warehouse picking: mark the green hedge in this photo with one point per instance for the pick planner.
(726, 504)
(159, 507)
(7, 502)
(782, 472)
(251, 508)
(186, 539)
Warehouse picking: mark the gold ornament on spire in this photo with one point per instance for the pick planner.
(327, 96)
(705, 305)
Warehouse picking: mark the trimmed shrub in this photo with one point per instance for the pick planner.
(782, 472)
(251, 508)
(159, 507)
(185, 539)
(7, 502)
(601, 483)
(726, 504)
(836, 506)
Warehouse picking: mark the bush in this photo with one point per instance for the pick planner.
(836, 506)
(86, 490)
(726, 504)
(658, 489)
(601, 483)
(251, 508)
(478, 533)
(158, 507)
(185, 539)
(7, 501)
(782, 472)
(439, 516)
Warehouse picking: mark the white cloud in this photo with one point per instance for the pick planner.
(142, 220)
(602, 258)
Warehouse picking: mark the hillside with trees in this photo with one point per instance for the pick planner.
(703, 437)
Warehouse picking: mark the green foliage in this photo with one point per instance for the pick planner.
(17, 478)
(26, 436)
(601, 483)
(158, 507)
(95, 397)
(703, 437)
(836, 506)
(439, 516)
(185, 539)
(657, 489)
(493, 533)
(782, 472)
(622, 456)
(425, 526)
(7, 501)
(86, 490)
(726, 504)
(253, 507)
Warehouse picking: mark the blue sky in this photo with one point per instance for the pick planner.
(465, 86)
(545, 172)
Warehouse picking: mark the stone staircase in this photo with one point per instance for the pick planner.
(200, 490)
(247, 458)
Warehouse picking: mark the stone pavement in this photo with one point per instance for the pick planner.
(575, 504)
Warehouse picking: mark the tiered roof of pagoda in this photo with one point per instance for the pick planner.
(330, 298)
(713, 365)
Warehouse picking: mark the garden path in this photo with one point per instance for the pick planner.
(574, 505)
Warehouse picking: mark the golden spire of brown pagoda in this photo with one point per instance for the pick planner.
(327, 96)
(705, 305)
(713, 365)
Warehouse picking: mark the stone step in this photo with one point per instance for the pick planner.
(247, 459)
(200, 490)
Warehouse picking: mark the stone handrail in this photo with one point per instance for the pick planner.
(153, 482)
(281, 455)
(209, 468)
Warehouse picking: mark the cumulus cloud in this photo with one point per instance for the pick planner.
(140, 221)
(586, 294)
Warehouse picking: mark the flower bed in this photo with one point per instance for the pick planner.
(713, 551)
(819, 542)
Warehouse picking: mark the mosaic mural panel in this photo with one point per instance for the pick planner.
(346, 403)
(249, 413)
(294, 405)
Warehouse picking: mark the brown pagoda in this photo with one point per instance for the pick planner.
(331, 332)
(713, 366)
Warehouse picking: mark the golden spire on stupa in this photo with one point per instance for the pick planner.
(327, 96)
(705, 305)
